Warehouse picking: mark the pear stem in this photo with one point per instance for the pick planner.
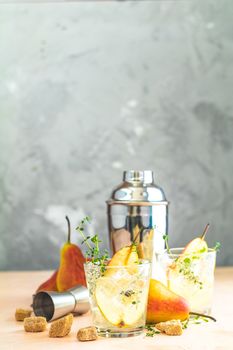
(205, 232)
(68, 222)
(202, 315)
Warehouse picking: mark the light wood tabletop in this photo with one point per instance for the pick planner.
(16, 289)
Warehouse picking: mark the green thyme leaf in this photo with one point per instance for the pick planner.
(203, 250)
(217, 246)
(185, 323)
(187, 261)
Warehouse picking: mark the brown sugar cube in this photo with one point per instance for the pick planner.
(87, 334)
(61, 327)
(173, 327)
(35, 324)
(21, 314)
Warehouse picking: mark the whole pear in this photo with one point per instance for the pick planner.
(50, 284)
(164, 305)
(71, 269)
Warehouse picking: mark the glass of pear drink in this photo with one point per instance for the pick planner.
(118, 296)
(189, 272)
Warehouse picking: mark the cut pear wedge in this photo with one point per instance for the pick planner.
(132, 260)
(118, 259)
(106, 297)
(196, 246)
(119, 305)
(126, 256)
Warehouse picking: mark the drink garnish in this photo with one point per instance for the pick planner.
(193, 251)
(93, 252)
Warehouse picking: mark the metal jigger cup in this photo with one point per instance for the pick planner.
(53, 305)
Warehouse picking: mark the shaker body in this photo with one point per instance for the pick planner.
(145, 225)
(138, 212)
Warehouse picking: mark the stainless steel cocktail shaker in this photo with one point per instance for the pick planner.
(138, 211)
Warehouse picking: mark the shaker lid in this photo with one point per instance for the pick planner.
(138, 186)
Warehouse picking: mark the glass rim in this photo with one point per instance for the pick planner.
(142, 262)
(172, 252)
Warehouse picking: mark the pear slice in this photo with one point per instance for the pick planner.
(197, 245)
(134, 310)
(121, 307)
(126, 256)
(132, 260)
(118, 259)
(107, 298)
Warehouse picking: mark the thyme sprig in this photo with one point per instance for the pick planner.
(185, 323)
(217, 246)
(196, 318)
(151, 331)
(184, 267)
(165, 237)
(97, 256)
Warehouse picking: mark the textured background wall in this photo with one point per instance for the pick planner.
(90, 89)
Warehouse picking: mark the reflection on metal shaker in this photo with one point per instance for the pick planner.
(138, 211)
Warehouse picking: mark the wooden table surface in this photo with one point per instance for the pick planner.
(16, 289)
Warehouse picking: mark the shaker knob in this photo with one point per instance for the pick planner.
(145, 176)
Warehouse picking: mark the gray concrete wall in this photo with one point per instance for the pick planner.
(90, 89)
